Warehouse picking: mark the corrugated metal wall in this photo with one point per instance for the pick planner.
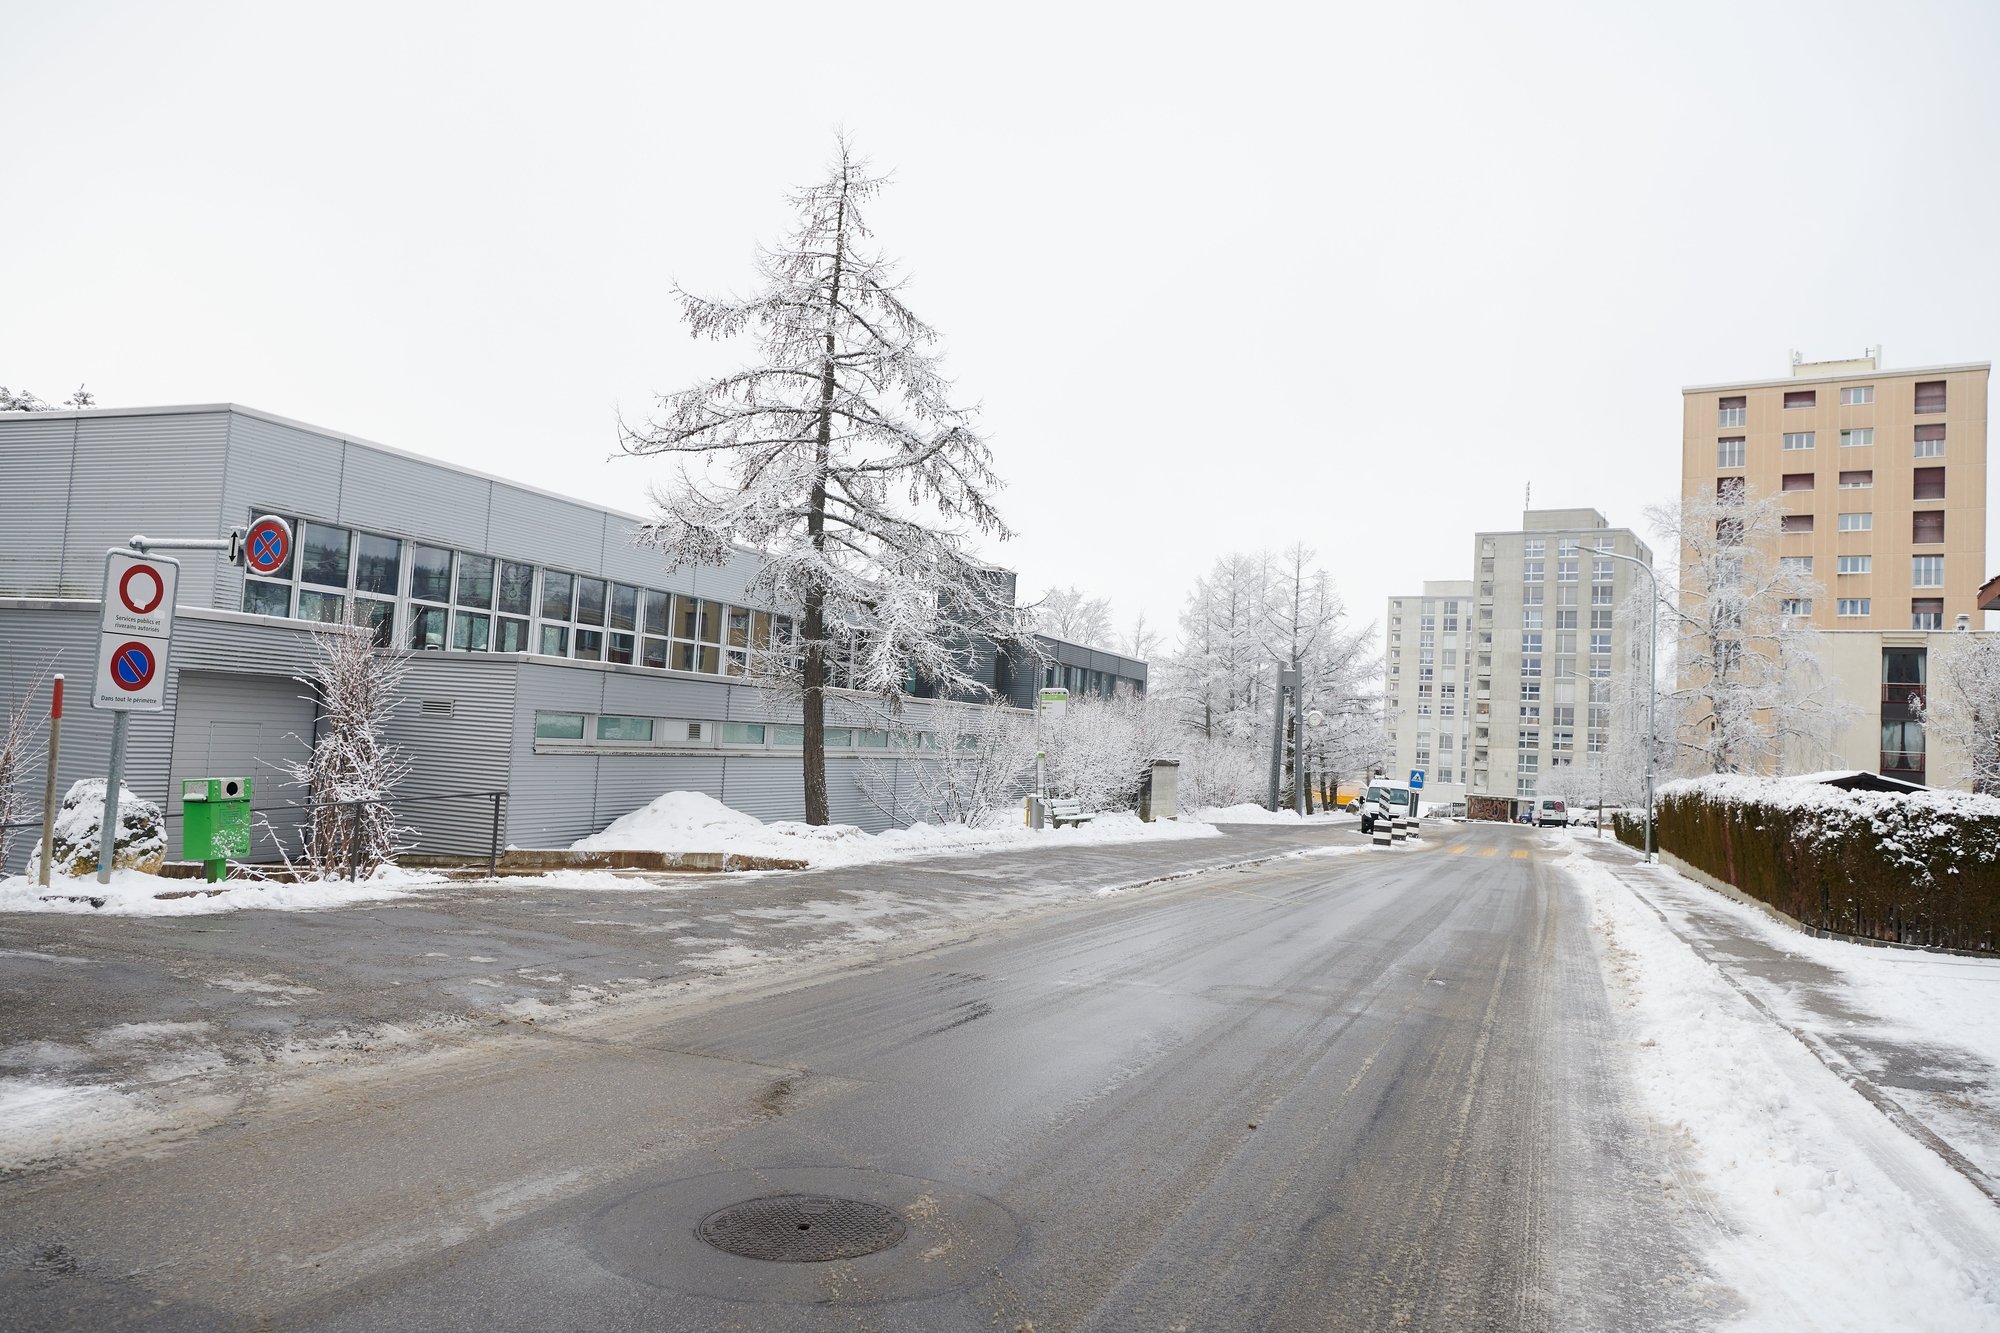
(235, 724)
(65, 634)
(454, 727)
(35, 457)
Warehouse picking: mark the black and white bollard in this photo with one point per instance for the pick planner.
(1379, 832)
(1416, 832)
(1396, 834)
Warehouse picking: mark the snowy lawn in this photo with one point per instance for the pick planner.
(134, 893)
(687, 821)
(1835, 1219)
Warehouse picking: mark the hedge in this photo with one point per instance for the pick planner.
(1916, 868)
(1629, 826)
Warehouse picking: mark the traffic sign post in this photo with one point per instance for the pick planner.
(135, 631)
(1416, 786)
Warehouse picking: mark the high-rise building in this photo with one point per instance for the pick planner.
(1497, 685)
(1427, 687)
(1548, 639)
(1882, 475)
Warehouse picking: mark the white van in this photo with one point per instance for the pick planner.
(1383, 800)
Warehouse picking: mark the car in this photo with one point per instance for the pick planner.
(1383, 801)
(1553, 812)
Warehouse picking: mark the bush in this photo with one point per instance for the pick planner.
(1629, 826)
(1917, 868)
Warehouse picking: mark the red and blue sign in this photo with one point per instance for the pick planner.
(132, 666)
(268, 545)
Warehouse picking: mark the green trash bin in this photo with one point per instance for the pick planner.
(215, 823)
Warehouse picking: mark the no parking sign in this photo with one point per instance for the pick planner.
(135, 632)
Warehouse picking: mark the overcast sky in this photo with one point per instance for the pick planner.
(1223, 277)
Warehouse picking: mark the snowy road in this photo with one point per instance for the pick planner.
(1433, 1088)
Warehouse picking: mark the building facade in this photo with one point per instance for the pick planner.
(555, 661)
(1882, 475)
(1427, 687)
(1549, 638)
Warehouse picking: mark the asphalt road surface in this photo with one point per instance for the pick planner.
(1372, 1090)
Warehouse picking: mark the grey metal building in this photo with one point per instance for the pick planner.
(556, 661)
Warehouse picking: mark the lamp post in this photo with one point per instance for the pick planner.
(1653, 689)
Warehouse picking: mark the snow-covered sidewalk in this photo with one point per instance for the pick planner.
(1831, 1216)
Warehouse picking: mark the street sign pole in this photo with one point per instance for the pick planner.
(107, 834)
(49, 783)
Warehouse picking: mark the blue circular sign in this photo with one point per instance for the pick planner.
(132, 667)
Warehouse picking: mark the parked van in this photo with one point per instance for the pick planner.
(1383, 800)
(1552, 813)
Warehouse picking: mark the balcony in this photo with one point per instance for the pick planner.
(1900, 703)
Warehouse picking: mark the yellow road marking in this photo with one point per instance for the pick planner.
(1488, 851)
(1519, 855)
(1463, 846)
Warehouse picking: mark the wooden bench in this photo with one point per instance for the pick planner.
(1067, 811)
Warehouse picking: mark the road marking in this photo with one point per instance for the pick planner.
(1519, 855)
(1488, 851)
(1463, 846)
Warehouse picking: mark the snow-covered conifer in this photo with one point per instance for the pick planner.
(841, 459)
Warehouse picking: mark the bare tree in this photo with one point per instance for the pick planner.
(352, 768)
(28, 402)
(841, 460)
(1142, 641)
(975, 760)
(1750, 681)
(1962, 703)
(1074, 617)
(22, 748)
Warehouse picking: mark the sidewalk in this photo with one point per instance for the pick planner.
(1916, 1033)
(114, 1024)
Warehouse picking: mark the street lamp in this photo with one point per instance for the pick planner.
(1653, 692)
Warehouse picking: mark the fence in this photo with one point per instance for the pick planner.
(469, 829)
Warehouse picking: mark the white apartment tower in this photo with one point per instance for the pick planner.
(1428, 691)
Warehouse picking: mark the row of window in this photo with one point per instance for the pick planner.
(1733, 450)
(615, 730)
(1926, 526)
(1926, 571)
(1926, 483)
(1928, 396)
(1532, 571)
(462, 600)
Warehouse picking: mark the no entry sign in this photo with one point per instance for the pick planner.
(135, 632)
(268, 545)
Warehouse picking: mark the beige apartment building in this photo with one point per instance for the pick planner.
(1427, 688)
(1882, 474)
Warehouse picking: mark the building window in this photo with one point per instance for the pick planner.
(1531, 571)
(1854, 564)
(1857, 522)
(1729, 452)
(1927, 571)
(1927, 484)
(1796, 523)
(623, 621)
(1930, 396)
(1856, 394)
(1730, 411)
(1567, 546)
(1565, 617)
(1801, 397)
(1796, 607)
(1850, 439)
(632, 730)
(1927, 526)
(752, 733)
(1600, 645)
(1854, 606)
(1930, 440)
(1600, 595)
(559, 726)
(1927, 613)
(267, 599)
(1796, 564)
(1566, 569)
(1600, 618)
(1796, 481)
(1857, 480)
(1600, 572)
(1798, 439)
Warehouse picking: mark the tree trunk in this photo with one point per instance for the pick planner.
(813, 705)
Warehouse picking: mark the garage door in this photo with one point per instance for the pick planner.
(230, 725)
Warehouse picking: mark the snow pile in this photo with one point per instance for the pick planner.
(141, 843)
(135, 893)
(1257, 814)
(688, 821)
(1838, 1220)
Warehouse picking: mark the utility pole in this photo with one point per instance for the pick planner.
(1288, 679)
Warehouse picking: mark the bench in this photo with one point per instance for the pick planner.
(1067, 810)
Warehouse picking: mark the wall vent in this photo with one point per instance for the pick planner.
(440, 708)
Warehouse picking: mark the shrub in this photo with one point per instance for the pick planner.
(1917, 868)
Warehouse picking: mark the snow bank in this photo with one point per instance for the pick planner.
(686, 821)
(1257, 814)
(134, 893)
(1839, 1220)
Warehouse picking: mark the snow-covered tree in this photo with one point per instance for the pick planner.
(355, 688)
(1142, 641)
(22, 747)
(1221, 673)
(28, 402)
(977, 760)
(841, 459)
(1073, 616)
(1338, 671)
(1749, 678)
(1962, 703)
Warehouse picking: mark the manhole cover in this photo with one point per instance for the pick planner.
(802, 1228)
